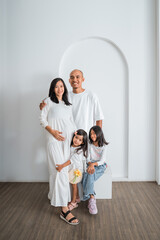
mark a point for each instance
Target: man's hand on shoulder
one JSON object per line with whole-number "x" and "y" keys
{"x": 42, "y": 105}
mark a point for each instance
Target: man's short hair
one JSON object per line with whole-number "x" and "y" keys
{"x": 77, "y": 70}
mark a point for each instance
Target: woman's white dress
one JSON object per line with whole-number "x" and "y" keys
{"x": 58, "y": 117}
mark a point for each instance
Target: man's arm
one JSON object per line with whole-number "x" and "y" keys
{"x": 99, "y": 123}
{"x": 98, "y": 114}
{"x": 42, "y": 105}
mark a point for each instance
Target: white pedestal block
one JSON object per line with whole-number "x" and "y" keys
{"x": 103, "y": 186}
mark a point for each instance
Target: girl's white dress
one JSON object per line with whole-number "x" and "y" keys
{"x": 58, "y": 117}
{"x": 77, "y": 159}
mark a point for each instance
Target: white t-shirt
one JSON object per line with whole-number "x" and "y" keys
{"x": 86, "y": 109}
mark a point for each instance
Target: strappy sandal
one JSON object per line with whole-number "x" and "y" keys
{"x": 72, "y": 205}
{"x": 64, "y": 215}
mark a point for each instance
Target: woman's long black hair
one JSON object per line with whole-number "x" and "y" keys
{"x": 52, "y": 94}
{"x": 100, "y": 137}
{"x": 84, "y": 145}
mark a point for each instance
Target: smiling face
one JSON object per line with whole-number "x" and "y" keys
{"x": 77, "y": 140}
{"x": 76, "y": 79}
{"x": 59, "y": 90}
{"x": 93, "y": 136}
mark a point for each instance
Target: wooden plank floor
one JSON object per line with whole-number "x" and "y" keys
{"x": 133, "y": 213}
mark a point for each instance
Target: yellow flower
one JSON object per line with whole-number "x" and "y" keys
{"x": 77, "y": 173}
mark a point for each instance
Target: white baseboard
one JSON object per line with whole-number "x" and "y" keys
{"x": 119, "y": 179}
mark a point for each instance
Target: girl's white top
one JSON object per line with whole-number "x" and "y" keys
{"x": 77, "y": 159}
{"x": 97, "y": 154}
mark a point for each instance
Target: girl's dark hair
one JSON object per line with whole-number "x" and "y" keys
{"x": 100, "y": 137}
{"x": 52, "y": 94}
{"x": 84, "y": 145}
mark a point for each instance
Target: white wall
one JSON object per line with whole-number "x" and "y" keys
{"x": 158, "y": 94}
{"x": 2, "y": 69}
{"x": 37, "y": 34}
{"x": 106, "y": 73}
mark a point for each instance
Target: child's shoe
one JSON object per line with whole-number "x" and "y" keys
{"x": 72, "y": 205}
{"x": 92, "y": 206}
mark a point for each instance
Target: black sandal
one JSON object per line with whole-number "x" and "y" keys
{"x": 64, "y": 215}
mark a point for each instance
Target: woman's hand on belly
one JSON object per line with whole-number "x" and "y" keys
{"x": 56, "y": 134}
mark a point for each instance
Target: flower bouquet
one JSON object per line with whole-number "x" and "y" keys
{"x": 75, "y": 176}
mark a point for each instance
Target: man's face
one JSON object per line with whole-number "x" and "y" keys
{"x": 76, "y": 79}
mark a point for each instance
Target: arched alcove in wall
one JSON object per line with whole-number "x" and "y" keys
{"x": 106, "y": 73}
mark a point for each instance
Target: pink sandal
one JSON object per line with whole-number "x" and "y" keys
{"x": 72, "y": 205}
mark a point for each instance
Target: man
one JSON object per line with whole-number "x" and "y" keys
{"x": 86, "y": 107}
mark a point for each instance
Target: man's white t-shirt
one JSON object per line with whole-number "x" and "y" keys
{"x": 86, "y": 109}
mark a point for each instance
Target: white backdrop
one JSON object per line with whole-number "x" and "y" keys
{"x": 36, "y": 37}
{"x": 106, "y": 74}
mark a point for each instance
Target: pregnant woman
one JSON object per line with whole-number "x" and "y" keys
{"x": 58, "y": 121}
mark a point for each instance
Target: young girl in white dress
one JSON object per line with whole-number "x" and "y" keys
{"x": 96, "y": 166}
{"x": 57, "y": 119}
{"x": 78, "y": 154}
